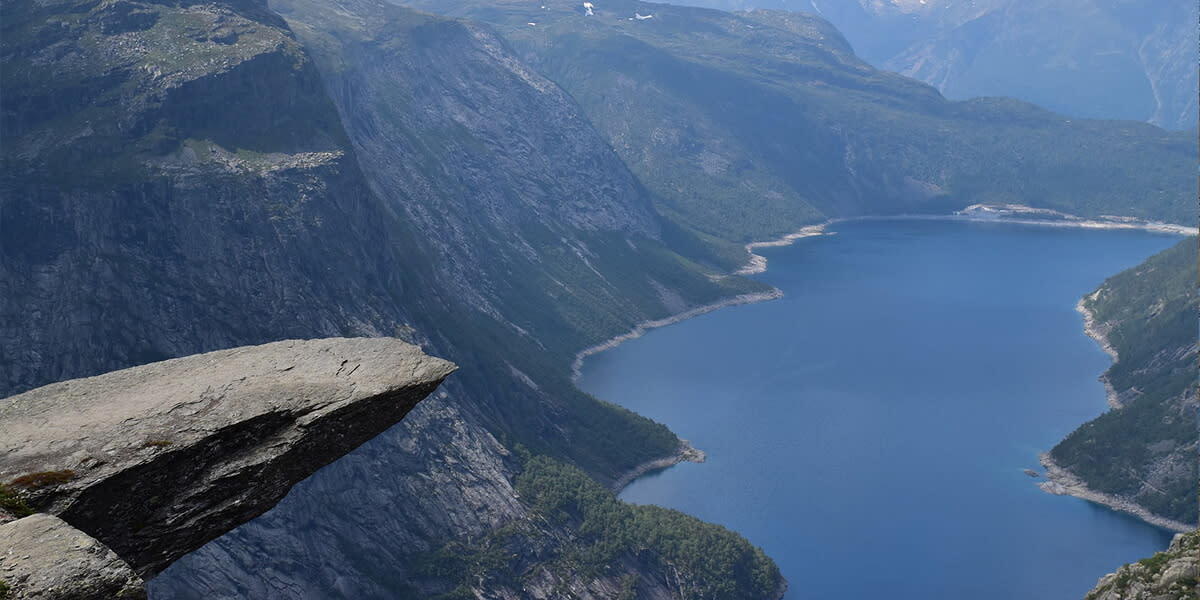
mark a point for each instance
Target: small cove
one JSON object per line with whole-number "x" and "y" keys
{"x": 870, "y": 428}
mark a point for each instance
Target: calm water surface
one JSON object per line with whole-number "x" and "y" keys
{"x": 869, "y": 430}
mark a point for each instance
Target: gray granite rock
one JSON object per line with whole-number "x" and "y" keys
{"x": 156, "y": 460}
{"x": 42, "y": 557}
{"x": 1170, "y": 575}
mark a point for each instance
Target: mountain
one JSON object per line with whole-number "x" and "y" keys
{"x": 1100, "y": 59}
{"x": 1143, "y": 451}
{"x": 190, "y": 176}
{"x": 748, "y": 126}
{"x": 184, "y": 176}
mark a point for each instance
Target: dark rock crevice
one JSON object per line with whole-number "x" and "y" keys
{"x": 154, "y": 461}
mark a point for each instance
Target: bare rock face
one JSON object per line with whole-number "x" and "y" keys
{"x": 43, "y": 557}
{"x": 1170, "y": 575}
{"x": 156, "y": 460}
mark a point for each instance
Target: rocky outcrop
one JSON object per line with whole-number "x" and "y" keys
{"x": 1170, "y": 575}
{"x": 154, "y": 461}
{"x": 43, "y": 557}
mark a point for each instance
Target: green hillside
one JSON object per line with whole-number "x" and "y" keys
{"x": 1146, "y": 450}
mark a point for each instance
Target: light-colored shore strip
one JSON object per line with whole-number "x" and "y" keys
{"x": 1091, "y": 328}
{"x": 758, "y": 264}
{"x": 978, "y": 214}
{"x": 685, "y": 452}
{"x": 1062, "y": 482}
{"x": 641, "y": 328}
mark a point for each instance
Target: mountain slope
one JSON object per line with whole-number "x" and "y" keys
{"x": 121, "y": 190}
{"x": 196, "y": 175}
{"x": 1145, "y": 450}
{"x": 1101, "y": 59}
{"x": 186, "y": 182}
{"x": 749, "y": 126}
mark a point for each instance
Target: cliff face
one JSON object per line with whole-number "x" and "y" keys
{"x": 154, "y": 461}
{"x": 191, "y": 185}
{"x": 178, "y": 168}
{"x": 751, "y": 125}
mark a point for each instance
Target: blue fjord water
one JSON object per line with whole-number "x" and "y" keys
{"x": 869, "y": 429}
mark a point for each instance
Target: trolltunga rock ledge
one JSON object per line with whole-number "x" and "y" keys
{"x": 154, "y": 461}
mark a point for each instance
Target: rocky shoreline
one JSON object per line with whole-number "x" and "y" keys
{"x": 1012, "y": 214}
{"x": 1015, "y": 214}
{"x": 641, "y": 328}
{"x": 758, "y": 263}
{"x": 684, "y": 453}
{"x": 1094, "y": 331}
{"x": 1021, "y": 214}
{"x": 1062, "y": 482}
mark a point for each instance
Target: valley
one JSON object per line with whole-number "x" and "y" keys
{"x": 186, "y": 177}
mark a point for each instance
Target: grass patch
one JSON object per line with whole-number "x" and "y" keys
{"x": 44, "y": 479}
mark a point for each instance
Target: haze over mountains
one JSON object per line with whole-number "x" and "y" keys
{"x": 185, "y": 176}
{"x": 1100, "y": 59}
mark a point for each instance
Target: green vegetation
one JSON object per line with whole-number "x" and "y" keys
{"x": 708, "y": 560}
{"x": 4, "y": 591}
{"x": 1147, "y": 449}
{"x": 722, "y": 563}
{"x": 13, "y": 502}
{"x": 1164, "y": 575}
{"x": 749, "y": 126}
{"x": 562, "y": 288}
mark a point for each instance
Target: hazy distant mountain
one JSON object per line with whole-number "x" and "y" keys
{"x": 749, "y": 125}
{"x": 1110, "y": 59}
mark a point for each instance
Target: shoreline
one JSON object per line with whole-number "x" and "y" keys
{"x": 685, "y": 452}
{"x": 1026, "y": 215}
{"x": 976, "y": 213}
{"x": 756, "y": 264}
{"x": 641, "y": 328}
{"x": 1061, "y": 482}
{"x": 1091, "y": 328}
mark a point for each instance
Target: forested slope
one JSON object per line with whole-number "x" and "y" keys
{"x": 1146, "y": 450}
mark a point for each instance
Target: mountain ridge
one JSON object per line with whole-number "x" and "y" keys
{"x": 366, "y": 204}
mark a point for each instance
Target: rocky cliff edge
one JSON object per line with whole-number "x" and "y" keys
{"x": 154, "y": 461}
